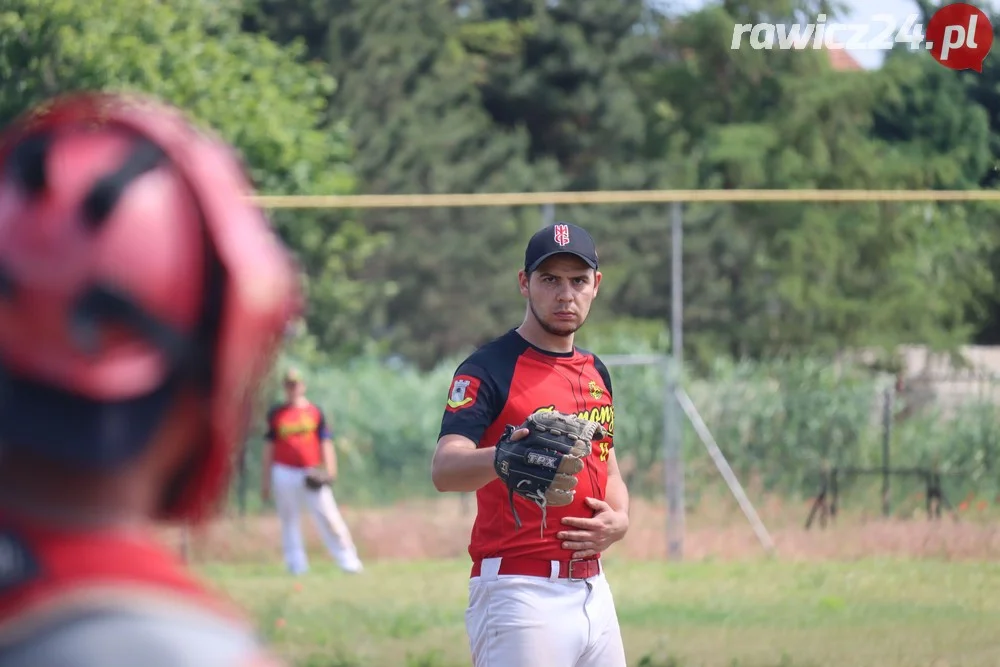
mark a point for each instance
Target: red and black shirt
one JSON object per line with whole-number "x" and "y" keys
{"x": 55, "y": 578}
{"x": 297, "y": 434}
{"x": 502, "y": 383}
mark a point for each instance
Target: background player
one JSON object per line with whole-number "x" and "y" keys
{"x": 538, "y": 596}
{"x": 141, "y": 301}
{"x": 298, "y": 441}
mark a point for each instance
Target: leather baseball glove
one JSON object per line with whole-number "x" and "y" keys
{"x": 317, "y": 478}
{"x": 542, "y": 466}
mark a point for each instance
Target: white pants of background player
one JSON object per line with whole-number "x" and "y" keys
{"x": 291, "y": 495}
{"x": 521, "y": 621}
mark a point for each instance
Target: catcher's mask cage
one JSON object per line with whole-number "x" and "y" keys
{"x": 132, "y": 265}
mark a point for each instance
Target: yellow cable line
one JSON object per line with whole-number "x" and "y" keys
{"x": 617, "y": 197}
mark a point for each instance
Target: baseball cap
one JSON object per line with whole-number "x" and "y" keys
{"x": 292, "y": 376}
{"x": 559, "y": 238}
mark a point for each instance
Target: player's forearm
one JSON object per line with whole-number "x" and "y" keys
{"x": 616, "y": 494}
{"x": 330, "y": 458}
{"x": 462, "y": 470}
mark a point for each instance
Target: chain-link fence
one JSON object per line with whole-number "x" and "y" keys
{"x": 780, "y": 426}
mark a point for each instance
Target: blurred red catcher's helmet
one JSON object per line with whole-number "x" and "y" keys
{"x": 131, "y": 264}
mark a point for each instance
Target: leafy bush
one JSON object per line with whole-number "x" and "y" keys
{"x": 779, "y": 423}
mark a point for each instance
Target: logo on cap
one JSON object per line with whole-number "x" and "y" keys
{"x": 562, "y": 234}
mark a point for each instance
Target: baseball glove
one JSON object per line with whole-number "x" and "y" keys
{"x": 543, "y": 465}
{"x": 317, "y": 478}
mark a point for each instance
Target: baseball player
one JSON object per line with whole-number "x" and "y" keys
{"x": 538, "y": 596}
{"x": 142, "y": 299}
{"x": 300, "y": 464}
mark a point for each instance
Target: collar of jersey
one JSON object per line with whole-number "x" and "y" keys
{"x": 547, "y": 353}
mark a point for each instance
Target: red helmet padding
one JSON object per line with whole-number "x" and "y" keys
{"x": 151, "y": 248}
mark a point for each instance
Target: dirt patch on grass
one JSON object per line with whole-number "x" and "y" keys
{"x": 440, "y": 529}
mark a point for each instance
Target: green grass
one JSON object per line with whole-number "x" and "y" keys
{"x": 871, "y": 613}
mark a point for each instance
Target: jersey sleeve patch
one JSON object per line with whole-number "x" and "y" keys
{"x": 463, "y": 393}
{"x": 471, "y": 405}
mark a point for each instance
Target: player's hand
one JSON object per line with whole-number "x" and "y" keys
{"x": 593, "y": 536}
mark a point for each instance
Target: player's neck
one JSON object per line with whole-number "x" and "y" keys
{"x": 72, "y": 500}
{"x": 531, "y": 331}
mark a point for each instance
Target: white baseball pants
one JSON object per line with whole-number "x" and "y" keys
{"x": 290, "y": 496}
{"x": 522, "y": 621}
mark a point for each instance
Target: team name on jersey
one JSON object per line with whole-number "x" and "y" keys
{"x": 297, "y": 427}
{"x": 603, "y": 415}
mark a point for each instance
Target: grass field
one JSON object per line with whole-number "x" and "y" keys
{"x": 867, "y": 593}
{"x": 869, "y": 613}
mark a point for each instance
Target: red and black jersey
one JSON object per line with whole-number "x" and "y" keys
{"x": 502, "y": 383}
{"x": 42, "y": 562}
{"x": 91, "y": 596}
{"x": 297, "y": 434}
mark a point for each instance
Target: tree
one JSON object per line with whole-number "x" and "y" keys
{"x": 417, "y": 124}
{"x": 569, "y": 74}
{"x": 510, "y": 95}
{"x": 767, "y": 279}
{"x": 567, "y": 81}
{"x": 254, "y": 93}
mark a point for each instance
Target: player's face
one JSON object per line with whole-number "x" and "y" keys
{"x": 294, "y": 390}
{"x": 560, "y": 292}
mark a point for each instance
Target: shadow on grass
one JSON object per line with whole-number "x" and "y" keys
{"x": 429, "y": 659}
{"x": 436, "y": 659}
{"x": 672, "y": 661}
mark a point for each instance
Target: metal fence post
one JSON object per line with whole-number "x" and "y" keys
{"x": 673, "y": 473}
{"x": 673, "y": 468}
{"x": 548, "y": 215}
{"x": 887, "y": 403}
{"x": 676, "y": 284}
